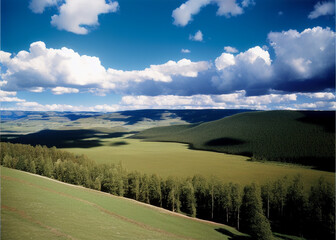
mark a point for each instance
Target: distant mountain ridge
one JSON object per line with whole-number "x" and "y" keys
{"x": 130, "y": 116}
{"x": 70, "y": 129}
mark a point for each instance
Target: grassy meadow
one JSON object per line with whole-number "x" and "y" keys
{"x": 175, "y": 159}
{"x": 34, "y": 207}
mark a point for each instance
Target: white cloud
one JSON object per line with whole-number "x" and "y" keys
{"x": 185, "y": 50}
{"x": 9, "y": 97}
{"x": 38, "y": 6}
{"x": 77, "y": 15}
{"x": 225, "y": 60}
{"x": 229, "y": 8}
{"x": 235, "y": 100}
{"x": 304, "y": 55}
{"x": 254, "y": 54}
{"x": 2, "y": 83}
{"x": 246, "y": 3}
{"x": 183, "y": 14}
{"x": 320, "y": 95}
{"x": 229, "y": 49}
{"x": 63, "y": 90}
{"x": 322, "y": 9}
{"x": 229, "y": 101}
{"x": 36, "y": 89}
{"x": 316, "y": 105}
{"x": 34, "y": 106}
{"x": 197, "y": 37}
{"x": 43, "y": 67}
{"x": 304, "y": 62}
{"x": 240, "y": 98}
{"x": 244, "y": 70}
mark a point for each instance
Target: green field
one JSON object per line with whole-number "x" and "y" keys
{"x": 34, "y": 207}
{"x": 175, "y": 159}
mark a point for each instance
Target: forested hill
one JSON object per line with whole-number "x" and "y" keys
{"x": 304, "y": 137}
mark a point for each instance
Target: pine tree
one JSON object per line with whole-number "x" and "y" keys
{"x": 253, "y": 220}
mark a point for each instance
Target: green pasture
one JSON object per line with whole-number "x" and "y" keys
{"x": 34, "y": 207}
{"x": 175, "y": 159}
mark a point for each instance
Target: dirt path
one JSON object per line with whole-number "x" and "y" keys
{"x": 139, "y": 224}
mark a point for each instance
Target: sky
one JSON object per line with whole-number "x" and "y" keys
{"x": 109, "y": 55}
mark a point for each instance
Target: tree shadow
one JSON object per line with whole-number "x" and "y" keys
{"x": 84, "y": 138}
{"x": 118, "y": 143}
{"x": 231, "y": 235}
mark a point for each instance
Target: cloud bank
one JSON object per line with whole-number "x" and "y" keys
{"x": 236, "y": 100}
{"x": 303, "y": 62}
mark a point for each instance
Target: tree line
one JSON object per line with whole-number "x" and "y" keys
{"x": 282, "y": 205}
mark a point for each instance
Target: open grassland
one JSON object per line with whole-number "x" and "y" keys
{"x": 305, "y": 137}
{"x": 34, "y": 207}
{"x": 174, "y": 159}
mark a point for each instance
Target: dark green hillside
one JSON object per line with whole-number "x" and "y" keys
{"x": 303, "y": 137}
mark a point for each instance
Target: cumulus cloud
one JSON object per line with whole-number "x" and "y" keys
{"x": 304, "y": 61}
{"x": 63, "y": 90}
{"x": 185, "y": 50}
{"x": 229, "y": 49}
{"x": 197, "y": 37}
{"x": 228, "y": 8}
{"x": 225, "y": 60}
{"x": 76, "y": 15}
{"x": 44, "y": 67}
{"x": 322, "y": 9}
{"x": 320, "y": 95}
{"x": 38, "y": 6}
{"x": 307, "y": 57}
{"x": 247, "y": 70}
{"x": 9, "y": 97}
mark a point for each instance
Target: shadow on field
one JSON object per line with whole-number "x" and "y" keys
{"x": 224, "y": 142}
{"x": 118, "y": 143}
{"x": 63, "y": 138}
{"x": 325, "y": 119}
{"x": 231, "y": 235}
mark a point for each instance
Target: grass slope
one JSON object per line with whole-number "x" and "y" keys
{"x": 34, "y": 207}
{"x": 307, "y": 137}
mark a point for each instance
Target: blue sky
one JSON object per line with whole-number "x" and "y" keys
{"x": 115, "y": 55}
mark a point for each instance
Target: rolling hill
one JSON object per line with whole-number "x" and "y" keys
{"x": 35, "y": 207}
{"x": 303, "y": 137}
